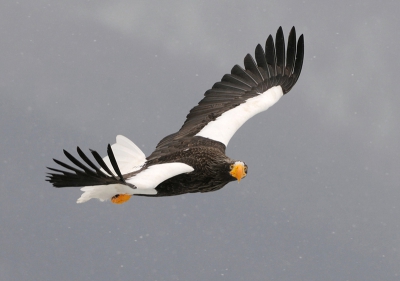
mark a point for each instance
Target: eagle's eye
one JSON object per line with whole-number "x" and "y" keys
{"x": 231, "y": 166}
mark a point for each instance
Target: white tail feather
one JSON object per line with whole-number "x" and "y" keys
{"x": 128, "y": 156}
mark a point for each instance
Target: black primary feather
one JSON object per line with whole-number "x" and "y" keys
{"x": 280, "y": 52}
{"x": 114, "y": 162}
{"x": 86, "y": 176}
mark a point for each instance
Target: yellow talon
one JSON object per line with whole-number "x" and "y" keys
{"x": 120, "y": 198}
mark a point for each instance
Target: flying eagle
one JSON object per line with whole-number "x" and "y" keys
{"x": 192, "y": 159}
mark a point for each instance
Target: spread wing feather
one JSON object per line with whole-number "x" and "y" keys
{"x": 86, "y": 176}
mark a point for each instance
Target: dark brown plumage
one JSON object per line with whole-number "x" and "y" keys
{"x": 211, "y": 168}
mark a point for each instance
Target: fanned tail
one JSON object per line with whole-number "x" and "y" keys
{"x": 128, "y": 156}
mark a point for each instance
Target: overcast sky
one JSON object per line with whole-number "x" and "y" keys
{"x": 322, "y": 197}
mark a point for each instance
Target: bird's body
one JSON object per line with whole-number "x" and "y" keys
{"x": 192, "y": 159}
{"x": 209, "y": 162}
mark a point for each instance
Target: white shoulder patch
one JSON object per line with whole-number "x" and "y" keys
{"x": 225, "y": 126}
{"x": 128, "y": 156}
{"x": 106, "y": 192}
{"x": 156, "y": 174}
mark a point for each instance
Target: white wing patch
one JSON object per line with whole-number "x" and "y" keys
{"x": 156, "y": 174}
{"x": 128, "y": 156}
{"x": 106, "y": 192}
{"x": 225, "y": 126}
{"x": 145, "y": 181}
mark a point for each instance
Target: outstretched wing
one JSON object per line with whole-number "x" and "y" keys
{"x": 243, "y": 93}
{"x": 109, "y": 180}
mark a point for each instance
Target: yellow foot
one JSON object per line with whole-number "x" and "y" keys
{"x": 120, "y": 198}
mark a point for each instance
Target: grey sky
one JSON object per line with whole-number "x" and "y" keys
{"x": 321, "y": 200}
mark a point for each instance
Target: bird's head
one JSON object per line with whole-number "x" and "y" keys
{"x": 238, "y": 170}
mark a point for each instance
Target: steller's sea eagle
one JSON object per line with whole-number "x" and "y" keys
{"x": 192, "y": 159}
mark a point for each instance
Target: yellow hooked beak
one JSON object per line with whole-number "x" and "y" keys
{"x": 238, "y": 170}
